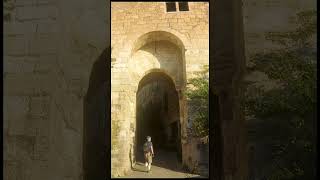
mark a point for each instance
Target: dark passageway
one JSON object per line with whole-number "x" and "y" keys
{"x": 96, "y": 106}
{"x": 158, "y": 116}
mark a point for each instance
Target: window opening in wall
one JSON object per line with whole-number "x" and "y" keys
{"x": 171, "y": 6}
{"x": 183, "y": 6}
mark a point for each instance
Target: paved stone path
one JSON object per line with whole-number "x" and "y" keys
{"x": 165, "y": 165}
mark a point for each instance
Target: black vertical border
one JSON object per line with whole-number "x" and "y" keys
{"x": 2, "y": 91}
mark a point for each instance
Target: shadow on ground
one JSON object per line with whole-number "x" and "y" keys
{"x": 165, "y": 159}
{"x": 165, "y": 165}
{"x": 138, "y": 168}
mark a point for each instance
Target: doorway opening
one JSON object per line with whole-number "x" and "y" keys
{"x": 158, "y": 116}
{"x": 95, "y": 126}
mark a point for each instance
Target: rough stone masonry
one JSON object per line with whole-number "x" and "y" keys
{"x": 147, "y": 39}
{"x": 50, "y": 49}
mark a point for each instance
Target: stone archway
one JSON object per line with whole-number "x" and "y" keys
{"x": 95, "y": 127}
{"x": 154, "y": 51}
{"x": 160, "y": 51}
{"x": 157, "y": 115}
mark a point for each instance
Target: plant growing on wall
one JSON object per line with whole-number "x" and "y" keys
{"x": 198, "y": 96}
{"x": 288, "y": 112}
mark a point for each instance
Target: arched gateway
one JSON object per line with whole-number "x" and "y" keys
{"x": 146, "y": 95}
{"x": 157, "y": 114}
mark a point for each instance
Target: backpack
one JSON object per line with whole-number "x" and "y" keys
{"x": 147, "y": 146}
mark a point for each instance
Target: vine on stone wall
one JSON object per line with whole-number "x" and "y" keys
{"x": 198, "y": 97}
{"x": 288, "y": 112}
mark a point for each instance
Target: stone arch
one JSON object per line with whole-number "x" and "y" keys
{"x": 139, "y": 59}
{"x": 131, "y": 41}
{"x": 165, "y": 124}
{"x": 95, "y": 107}
{"x": 143, "y": 40}
{"x": 151, "y": 71}
{"x": 177, "y": 39}
{"x": 168, "y": 34}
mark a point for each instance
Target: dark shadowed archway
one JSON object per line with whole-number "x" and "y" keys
{"x": 158, "y": 116}
{"x": 96, "y": 121}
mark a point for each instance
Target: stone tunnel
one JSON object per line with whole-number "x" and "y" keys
{"x": 158, "y": 114}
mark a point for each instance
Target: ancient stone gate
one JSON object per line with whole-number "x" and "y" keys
{"x": 150, "y": 44}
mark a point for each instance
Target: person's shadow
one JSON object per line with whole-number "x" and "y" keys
{"x": 163, "y": 159}
{"x": 140, "y": 167}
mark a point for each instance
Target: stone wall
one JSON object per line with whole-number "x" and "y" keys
{"x": 130, "y": 21}
{"x": 261, "y": 17}
{"x": 49, "y": 50}
{"x": 198, "y": 156}
{"x": 265, "y": 16}
{"x": 269, "y": 15}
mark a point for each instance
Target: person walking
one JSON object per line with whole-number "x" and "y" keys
{"x": 148, "y": 153}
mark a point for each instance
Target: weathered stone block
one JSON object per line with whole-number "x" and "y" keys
{"x": 41, "y": 148}
{"x": 24, "y": 147}
{"x": 46, "y": 64}
{"x": 38, "y": 12}
{"x": 24, "y": 3}
{"x": 12, "y": 170}
{"x": 17, "y": 65}
{"x": 47, "y": 27}
{"x": 39, "y": 106}
{"x": 29, "y": 85}
{"x": 9, "y": 150}
{"x": 40, "y": 170}
{"x": 19, "y": 28}
{"x": 16, "y": 45}
{"x": 41, "y": 2}
{"x": 46, "y": 44}
{"x": 5, "y": 118}
{"x": 36, "y": 125}
{"x": 18, "y": 107}
{"x": 75, "y": 106}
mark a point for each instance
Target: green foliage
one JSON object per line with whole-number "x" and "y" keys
{"x": 306, "y": 27}
{"x": 198, "y": 96}
{"x": 288, "y": 111}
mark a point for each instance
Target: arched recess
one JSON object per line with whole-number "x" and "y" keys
{"x": 146, "y": 77}
{"x": 149, "y": 52}
{"x": 159, "y": 40}
{"x": 158, "y": 113}
{"x": 152, "y": 52}
{"x": 156, "y": 36}
{"x": 96, "y": 103}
